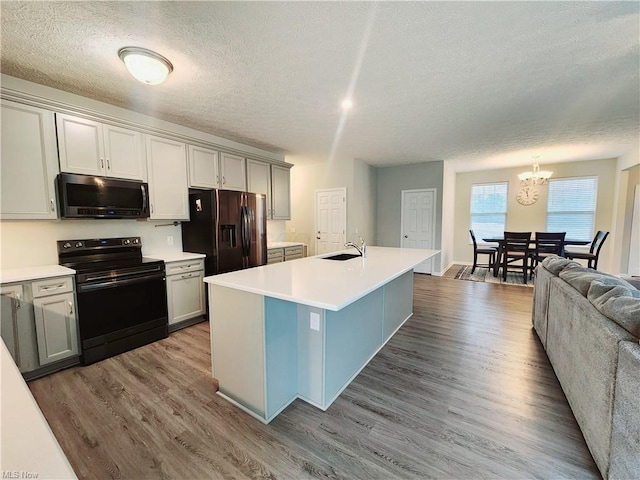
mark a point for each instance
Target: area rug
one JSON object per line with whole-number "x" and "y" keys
{"x": 486, "y": 275}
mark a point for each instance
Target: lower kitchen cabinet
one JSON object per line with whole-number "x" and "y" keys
{"x": 56, "y": 327}
{"x": 283, "y": 254}
{"x": 39, "y": 325}
{"x": 185, "y": 293}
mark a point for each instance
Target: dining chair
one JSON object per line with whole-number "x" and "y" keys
{"x": 491, "y": 251}
{"x": 546, "y": 244}
{"x": 594, "y": 251}
{"x": 516, "y": 249}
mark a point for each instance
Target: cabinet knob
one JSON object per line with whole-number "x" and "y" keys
{"x": 53, "y": 207}
{"x": 224, "y": 180}
{"x": 108, "y": 164}
{"x": 102, "y": 163}
{"x": 70, "y": 308}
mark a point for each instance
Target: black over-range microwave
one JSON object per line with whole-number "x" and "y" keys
{"x": 87, "y": 196}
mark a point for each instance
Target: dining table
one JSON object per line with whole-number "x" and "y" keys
{"x": 532, "y": 241}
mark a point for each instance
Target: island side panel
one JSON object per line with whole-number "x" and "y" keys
{"x": 311, "y": 355}
{"x": 237, "y": 345}
{"x": 398, "y": 303}
{"x": 353, "y": 336}
{"x": 281, "y": 354}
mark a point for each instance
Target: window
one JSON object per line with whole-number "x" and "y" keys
{"x": 488, "y": 209}
{"x": 571, "y": 206}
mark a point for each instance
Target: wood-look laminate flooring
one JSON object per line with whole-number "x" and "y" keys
{"x": 463, "y": 390}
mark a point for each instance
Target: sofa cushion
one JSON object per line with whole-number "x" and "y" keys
{"x": 617, "y": 300}
{"x": 581, "y": 277}
{"x": 556, "y": 264}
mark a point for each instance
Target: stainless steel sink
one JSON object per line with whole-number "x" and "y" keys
{"x": 342, "y": 256}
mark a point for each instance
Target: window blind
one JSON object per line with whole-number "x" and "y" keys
{"x": 571, "y": 206}
{"x": 488, "y": 209}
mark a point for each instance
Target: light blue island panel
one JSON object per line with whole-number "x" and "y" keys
{"x": 281, "y": 347}
{"x": 398, "y": 303}
{"x": 311, "y": 355}
{"x": 353, "y": 336}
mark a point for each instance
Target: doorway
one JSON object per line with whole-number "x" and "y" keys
{"x": 331, "y": 220}
{"x": 418, "y": 223}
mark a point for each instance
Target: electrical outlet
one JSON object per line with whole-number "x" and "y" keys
{"x": 314, "y": 321}
{"x": 169, "y": 239}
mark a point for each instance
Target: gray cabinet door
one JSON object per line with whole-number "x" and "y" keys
{"x": 29, "y": 163}
{"x": 56, "y": 327}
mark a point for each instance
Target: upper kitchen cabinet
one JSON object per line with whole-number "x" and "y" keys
{"x": 93, "y": 148}
{"x": 233, "y": 172}
{"x": 204, "y": 169}
{"x": 280, "y": 192}
{"x": 274, "y": 182}
{"x": 211, "y": 169}
{"x": 168, "y": 186}
{"x": 29, "y": 162}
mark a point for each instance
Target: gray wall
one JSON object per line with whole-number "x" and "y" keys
{"x": 391, "y": 182}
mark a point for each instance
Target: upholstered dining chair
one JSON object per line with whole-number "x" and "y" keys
{"x": 546, "y": 244}
{"x": 594, "y": 251}
{"x": 491, "y": 251}
{"x": 516, "y": 249}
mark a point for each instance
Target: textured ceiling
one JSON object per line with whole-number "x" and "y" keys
{"x": 483, "y": 84}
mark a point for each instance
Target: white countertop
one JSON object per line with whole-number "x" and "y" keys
{"x": 283, "y": 244}
{"x": 175, "y": 256}
{"x": 29, "y": 444}
{"x": 34, "y": 273}
{"x": 328, "y": 284}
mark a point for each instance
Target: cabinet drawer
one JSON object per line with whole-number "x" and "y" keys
{"x": 274, "y": 253}
{"x": 185, "y": 266}
{"x": 51, "y": 286}
{"x": 273, "y": 260}
{"x": 293, "y": 251}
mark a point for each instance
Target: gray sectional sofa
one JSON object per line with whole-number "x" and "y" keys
{"x": 589, "y": 325}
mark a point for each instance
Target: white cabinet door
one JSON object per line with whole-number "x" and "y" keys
{"x": 80, "y": 144}
{"x": 185, "y": 296}
{"x": 203, "y": 168}
{"x": 167, "y": 170}
{"x": 29, "y": 163}
{"x": 280, "y": 193}
{"x": 124, "y": 153}
{"x": 233, "y": 172}
{"x": 56, "y": 328}
{"x": 259, "y": 180}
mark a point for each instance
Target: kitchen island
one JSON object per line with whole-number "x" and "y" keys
{"x": 305, "y": 328}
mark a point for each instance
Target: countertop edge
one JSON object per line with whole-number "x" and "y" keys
{"x": 26, "y": 274}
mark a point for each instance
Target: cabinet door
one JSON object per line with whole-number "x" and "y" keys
{"x": 11, "y": 297}
{"x": 81, "y": 145}
{"x": 124, "y": 153}
{"x": 280, "y": 193}
{"x": 203, "y": 168}
{"x": 232, "y": 170}
{"x": 185, "y": 296}
{"x": 29, "y": 163}
{"x": 167, "y": 169}
{"x": 56, "y": 327}
{"x": 259, "y": 180}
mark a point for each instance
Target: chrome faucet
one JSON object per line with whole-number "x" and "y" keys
{"x": 362, "y": 249}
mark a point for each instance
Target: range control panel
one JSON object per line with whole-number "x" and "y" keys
{"x": 98, "y": 243}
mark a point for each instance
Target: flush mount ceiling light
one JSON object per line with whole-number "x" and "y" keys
{"x": 145, "y": 65}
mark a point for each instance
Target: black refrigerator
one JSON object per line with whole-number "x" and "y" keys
{"x": 229, "y": 227}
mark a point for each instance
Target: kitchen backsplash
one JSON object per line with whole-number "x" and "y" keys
{"x": 33, "y": 243}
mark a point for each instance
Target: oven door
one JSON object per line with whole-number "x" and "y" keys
{"x": 116, "y": 315}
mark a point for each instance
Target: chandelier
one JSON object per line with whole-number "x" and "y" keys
{"x": 536, "y": 177}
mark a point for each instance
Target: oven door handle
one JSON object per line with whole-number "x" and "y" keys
{"x": 87, "y": 287}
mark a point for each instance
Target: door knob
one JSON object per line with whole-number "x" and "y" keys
{"x": 406, "y": 236}
{"x": 317, "y": 238}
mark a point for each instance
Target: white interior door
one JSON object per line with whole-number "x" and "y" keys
{"x": 331, "y": 220}
{"x": 418, "y": 223}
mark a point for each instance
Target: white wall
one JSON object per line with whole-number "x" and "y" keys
{"x": 311, "y": 174}
{"x": 533, "y": 217}
{"x": 627, "y": 177}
